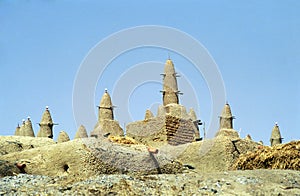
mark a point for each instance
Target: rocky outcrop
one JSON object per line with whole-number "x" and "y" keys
{"x": 7, "y": 168}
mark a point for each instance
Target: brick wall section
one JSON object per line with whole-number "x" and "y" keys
{"x": 159, "y": 131}
{"x": 179, "y": 131}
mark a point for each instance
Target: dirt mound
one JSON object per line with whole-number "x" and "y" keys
{"x": 284, "y": 156}
{"x": 217, "y": 154}
{"x": 10, "y": 144}
{"x": 82, "y": 158}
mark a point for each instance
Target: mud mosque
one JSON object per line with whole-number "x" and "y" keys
{"x": 172, "y": 125}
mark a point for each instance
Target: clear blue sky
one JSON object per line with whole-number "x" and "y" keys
{"x": 256, "y": 45}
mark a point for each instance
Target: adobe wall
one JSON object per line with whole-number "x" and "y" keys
{"x": 162, "y": 130}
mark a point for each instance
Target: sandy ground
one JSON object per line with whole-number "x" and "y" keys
{"x": 250, "y": 182}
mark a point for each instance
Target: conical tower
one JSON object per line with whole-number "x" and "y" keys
{"x": 81, "y": 132}
{"x": 276, "y": 136}
{"x": 46, "y": 125}
{"x": 106, "y": 124}
{"x": 226, "y": 118}
{"x": 17, "y": 132}
{"x": 28, "y": 130}
{"x": 105, "y": 109}
{"x": 170, "y": 87}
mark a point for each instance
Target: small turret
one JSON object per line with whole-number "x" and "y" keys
{"x": 28, "y": 130}
{"x": 17, "y": 132}
{"x": 170, "y": 87}
{"x": 148, "y": 114}
{"x": 105, "y": 109}
{"x": 275, "y": 136}
{"x": 226, "y": 118}
{"x": 81, "y": 132}
{"x": 192, "y": 114}
{"x": 63, "y": 137}
{"x": 248, "y": 137}
{"x": 197, "y": 122}
{"x": 46, "y": 125}
{"x": 22, "y": 128}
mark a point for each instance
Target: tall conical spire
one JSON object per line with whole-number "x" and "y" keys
{"x": 46, "y": 118}
{"x": 46, "y": 125}
{"x": 105, "y": 110}
{"x": 275, "y": 136}
{"x": 226, "y": 118}
{"x": 170, "y": 87}
{"x": 28, "y": 130}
